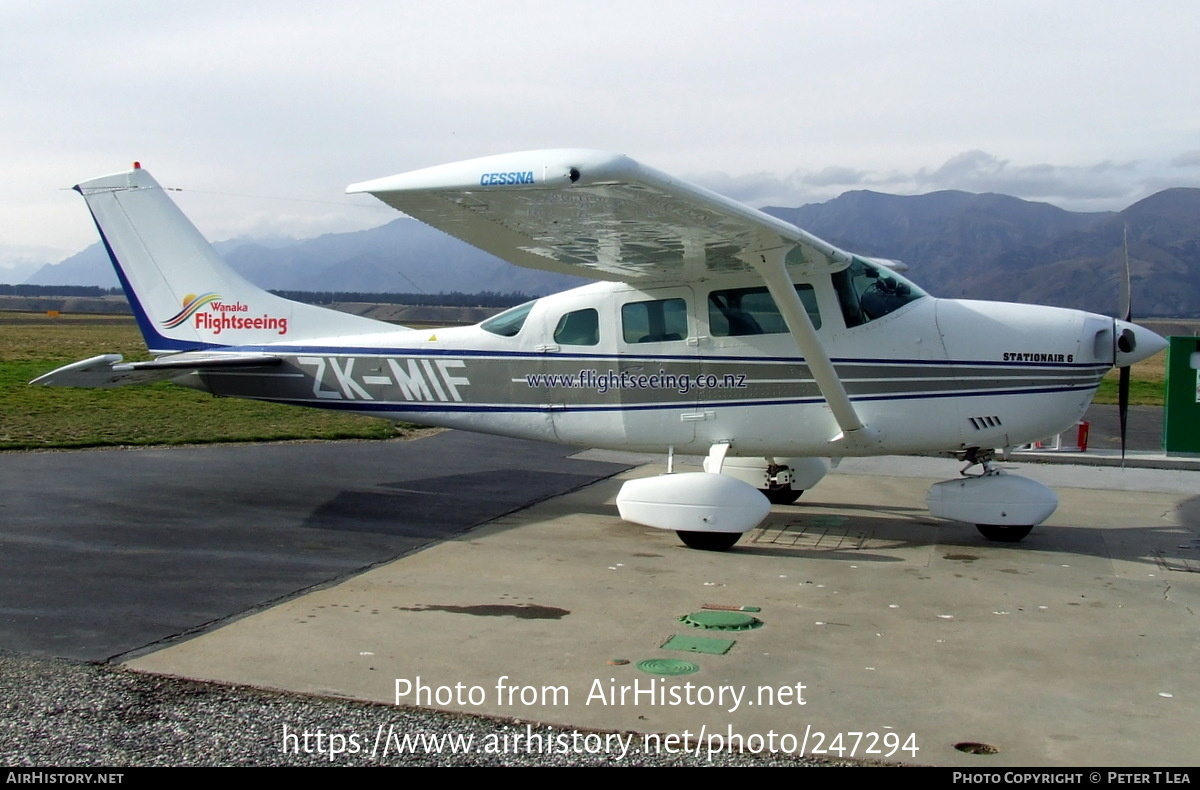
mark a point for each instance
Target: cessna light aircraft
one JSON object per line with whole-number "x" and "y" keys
{"x": 715, "y": 330}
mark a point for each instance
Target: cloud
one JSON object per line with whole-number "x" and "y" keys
{"x": 834, "y": 176}
{"x": 1187, "y": 159}
{"x": 979, "y": 171}
{"x": 1102, "y": 185}
{"x": 759, "y": 189}
{"x": 347, "y": 92}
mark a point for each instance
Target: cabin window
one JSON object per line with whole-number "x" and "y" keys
{"x": 580, "y": 328}
{"x": 866, "y": 292}
{"x": 655, "y": 321}
{"x": 736, "y": 312}
{"x": 509, "y": 323}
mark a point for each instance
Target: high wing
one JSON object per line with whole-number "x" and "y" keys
{"x": 109, "y": 370}
{"x": 606, "y": 216}
{"x": 566, "y": 210}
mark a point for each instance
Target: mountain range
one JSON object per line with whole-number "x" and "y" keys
{"x": 957, "y": 244}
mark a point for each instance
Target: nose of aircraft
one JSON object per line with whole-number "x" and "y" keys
{"x": 1134, "y": 343}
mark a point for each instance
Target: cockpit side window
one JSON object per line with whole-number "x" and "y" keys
{"x": 866, "y": 292}
{"x": 656, "y": 321}
{"x": 751, "y": 311}
{"x": 508, "y": 323}
{"x": 578, "y": 328}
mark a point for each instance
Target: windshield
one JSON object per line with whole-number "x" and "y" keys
{"x": 866, "y": 292}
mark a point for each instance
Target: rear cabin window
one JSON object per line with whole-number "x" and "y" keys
{"x": 579, "y": 328}
{"x": 656, "y": 321}
{"x": 509, "y": 323}
{"x": 735, "y": 312}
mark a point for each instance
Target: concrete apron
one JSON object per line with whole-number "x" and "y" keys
{"x": 1076, "y": 647}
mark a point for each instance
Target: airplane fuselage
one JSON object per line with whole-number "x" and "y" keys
{"x": 610, "y": 365}
{"x": 716, "y": 330}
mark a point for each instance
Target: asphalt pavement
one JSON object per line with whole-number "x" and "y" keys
{"x": 106, "y": 552}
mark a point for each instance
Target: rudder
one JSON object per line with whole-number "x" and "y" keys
{"x": 183, "y": 294}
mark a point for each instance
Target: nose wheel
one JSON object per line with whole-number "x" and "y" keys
{"x": 1000, "y": 533}
{"x": 1003, "y": 507}
{"x": 784, "y": 495}
{"x": 709, "y": 541}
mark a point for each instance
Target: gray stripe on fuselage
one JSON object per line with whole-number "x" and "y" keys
{"x": 560, "y": 381}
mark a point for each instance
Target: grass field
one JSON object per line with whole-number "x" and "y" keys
{"x": 1146, "y": 383}
{"x": 62, "y": 417}
{"x": 163, "y": 414}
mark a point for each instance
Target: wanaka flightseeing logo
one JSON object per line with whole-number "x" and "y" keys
{"x": 213, "y": 315}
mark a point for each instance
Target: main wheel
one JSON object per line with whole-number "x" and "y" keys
{"x": 1003, "y": 534}
{"x": 785, "y": 495}
{"x": 708, "y": 541}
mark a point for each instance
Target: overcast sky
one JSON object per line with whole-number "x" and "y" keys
{"x": 263, "y": 112}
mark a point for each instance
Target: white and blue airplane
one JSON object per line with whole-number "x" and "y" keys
{"x": 714, "y": 330}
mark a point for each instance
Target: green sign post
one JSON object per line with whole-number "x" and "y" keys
{"x": 1181, "y": 420}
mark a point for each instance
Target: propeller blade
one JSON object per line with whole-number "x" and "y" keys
{"x": 1126, "y": 290}
{"x": 1126, "y": 344}
{"x": 1123, "y": 406}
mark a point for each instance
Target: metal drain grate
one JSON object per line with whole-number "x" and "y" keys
{"x": 825, "y": 534}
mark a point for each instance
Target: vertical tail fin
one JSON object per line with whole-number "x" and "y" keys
{"x": 183, "y": 294}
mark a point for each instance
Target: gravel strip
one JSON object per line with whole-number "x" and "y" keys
{"x": 63, "y": 714}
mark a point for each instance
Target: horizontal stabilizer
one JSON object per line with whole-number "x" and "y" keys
{"x": 109, "y": 370}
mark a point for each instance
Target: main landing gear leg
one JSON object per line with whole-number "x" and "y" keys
{"x": 781, "y": 480}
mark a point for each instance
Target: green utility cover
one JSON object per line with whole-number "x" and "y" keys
{"x": 721, "y": 621}
{"x": 667, "y": 666}
{"x": 699, "y": 644}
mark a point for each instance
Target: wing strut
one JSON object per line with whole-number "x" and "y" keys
{"x": 771, "y": 266}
